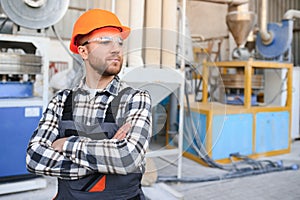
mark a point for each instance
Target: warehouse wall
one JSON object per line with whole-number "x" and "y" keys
{"x": 159, "y": 19}
{"x": 207, "y": 23}
{"x": 155, "y": 27}
{"x": 147, "y": 18}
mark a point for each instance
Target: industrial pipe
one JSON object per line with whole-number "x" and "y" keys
{"x": 290, "y": 14}
{"x": 113, "y": 6}
{"x": 231, "y": 2}
{"x": 266, "y": 36}
{"x": 183, "y": 34}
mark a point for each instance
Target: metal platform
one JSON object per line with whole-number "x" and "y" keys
{"x": 21, "y": 186}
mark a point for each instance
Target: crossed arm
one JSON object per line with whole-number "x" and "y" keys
{"x": 120, "y": 135}
{"x": 75, "y": 156}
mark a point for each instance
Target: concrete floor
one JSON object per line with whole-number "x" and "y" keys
{"x": 276, "y": 185}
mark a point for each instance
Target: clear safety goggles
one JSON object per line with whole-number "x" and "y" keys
{"x": 107, "y": 41}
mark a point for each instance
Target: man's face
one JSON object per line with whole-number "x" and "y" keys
{"x": 105, "y": 51}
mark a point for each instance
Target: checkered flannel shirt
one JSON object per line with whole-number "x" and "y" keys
{"x": 81, "y": 155}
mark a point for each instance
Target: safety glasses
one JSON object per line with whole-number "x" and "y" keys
{"x": 107, "y": 41}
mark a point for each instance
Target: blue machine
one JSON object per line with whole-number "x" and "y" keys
{"x": 16, "y": 89}
{"x": 21, "y": 105}
{"x": 17, "y": 126}
{"x": 281, "y": 43}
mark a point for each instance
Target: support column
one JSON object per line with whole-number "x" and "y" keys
{"x": 169, "y": 33}
{"x": 122, "y": 10}
{"x": 135, "y": 42}
{"x": 153, "y": 22}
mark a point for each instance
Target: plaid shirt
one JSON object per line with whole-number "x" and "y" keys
{"x": 81, "y": 155}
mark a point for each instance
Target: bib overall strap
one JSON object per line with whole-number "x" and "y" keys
{"x": 68, "y": 109}
{"x": 113, "y": 106}
{"x": 111, "y": 111}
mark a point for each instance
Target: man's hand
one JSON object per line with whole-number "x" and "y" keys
{"x": 58, "y": 144}
{"x": 123, "y": 130}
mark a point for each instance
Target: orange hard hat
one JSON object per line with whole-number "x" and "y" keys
{"x": 94, "y": 19}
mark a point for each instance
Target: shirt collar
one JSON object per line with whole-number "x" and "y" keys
{"x": 111, "y": 88}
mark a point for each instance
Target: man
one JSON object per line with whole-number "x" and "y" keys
{"x": 94, "y": 137}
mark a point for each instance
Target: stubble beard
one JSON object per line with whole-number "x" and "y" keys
{"x": 107, "y": 68}
{"x": 110, "y": 69}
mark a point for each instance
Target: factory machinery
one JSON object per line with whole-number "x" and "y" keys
{"x": 23, "y": 84}
{"x": 239, "y": 117}
{"x": 243, "y": 109}
{"x": 232, "y": 121}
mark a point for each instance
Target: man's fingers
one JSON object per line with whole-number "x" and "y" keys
{"x": 58, "y": 144}
{"x": 126, "y": 127}
{"x": 123, "y": 130}
{"x": 120, "y": 134}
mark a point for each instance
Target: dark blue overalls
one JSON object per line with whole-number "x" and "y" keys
{"x": 98, "y": 185}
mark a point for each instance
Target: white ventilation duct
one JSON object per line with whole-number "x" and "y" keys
{"x": 290, "y": 14}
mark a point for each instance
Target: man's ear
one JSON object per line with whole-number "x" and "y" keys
{"x": 82, "y": 50}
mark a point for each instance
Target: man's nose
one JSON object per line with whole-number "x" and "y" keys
{"x": 116, "y": 47}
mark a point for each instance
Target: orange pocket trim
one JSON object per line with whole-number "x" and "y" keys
{"x": 99, "y": 186}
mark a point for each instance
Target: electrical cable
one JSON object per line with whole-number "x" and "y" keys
{"x": 75, "y": 75}
{"x": 3, "y": 23}
{"x": 64, "y": 46}
{"x": 201, "y": 150}
{"x": 280, "y": 91}
{"x": 230, "y": 175}
{"x": 234, "y": 171}
{"x": 254, "y": 167}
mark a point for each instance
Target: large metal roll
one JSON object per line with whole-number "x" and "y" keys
{"x": 237, "y": 81}
{"x": 11, "y": 63}
{"x": 35, "y": 14}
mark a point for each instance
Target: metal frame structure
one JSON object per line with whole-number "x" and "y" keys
{"x": 32, "y": 106}
{"x": 223, "y": 123}
{"x": 160, "y": 82}
{"x": 41, "y": 43}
